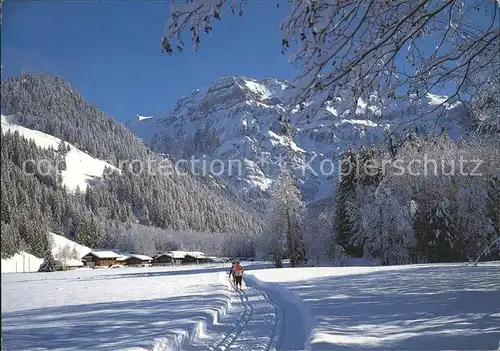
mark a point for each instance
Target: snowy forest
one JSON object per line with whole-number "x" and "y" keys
{"x": 33, "y": 203}
{"x": 395, "y": 218}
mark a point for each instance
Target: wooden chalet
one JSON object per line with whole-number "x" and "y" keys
{"x": 168, "y": 259}
{"x": 122, "y": 260}
{"x": 100, "y": 259}
{"x": 180, "y": 257}
{"x": 135, "y": 260}
{"x": 196, "y": 257}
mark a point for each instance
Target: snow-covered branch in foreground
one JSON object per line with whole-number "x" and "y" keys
{"x": 367, "y": 46}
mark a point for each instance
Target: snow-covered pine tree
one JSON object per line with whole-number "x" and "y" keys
{"x": 74, "y": 254}
{"x": 382, "y": 225}
{"x": 64, "y": 252}
{"x": 87, "y": 232}
{"x": 273, "y": 242}
{"x": 474, "y": 226}
{"x": 49, "y": 263}
{"x": 62, "y": 149}
{"x": 346, "y": 189}
{"x": 320, "y": 238}
{"x": 284, "y": 223}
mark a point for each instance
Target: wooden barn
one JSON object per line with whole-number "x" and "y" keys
{"x": 180, "y": 257}
{"x": 196, "y": 257}
{"x": 122, "y": 260}
{"x": 100, "y": 259}
{"x": 177, "y": 256}
{"x": 167, "y": 259}
{"x": 135, "y": 260}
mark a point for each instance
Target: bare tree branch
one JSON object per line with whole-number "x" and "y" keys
{"x": 372, "y": 46}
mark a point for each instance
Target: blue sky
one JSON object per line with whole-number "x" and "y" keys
{"x": 110, "y": 50}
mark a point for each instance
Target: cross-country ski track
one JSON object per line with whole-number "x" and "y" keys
{"x": 256, "y": 319}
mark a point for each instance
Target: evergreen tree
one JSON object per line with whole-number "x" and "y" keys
{"x": 74, "y": 254}
{"x": 284, "y": 224}
{"x": 49, "y": 263}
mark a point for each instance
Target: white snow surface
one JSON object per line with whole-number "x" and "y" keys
{"x": 435, "y": 306}
{"x": 196, "y": 254}
{"x": 155, "y": 308}
{"x": 81, "y": 168}
{"x": 71, "y": 262}
{"x": 177, "y": 254}
{"x": 182, "y": 254}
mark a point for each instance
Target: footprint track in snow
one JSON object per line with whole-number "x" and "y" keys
{"x": 258, "y": 327}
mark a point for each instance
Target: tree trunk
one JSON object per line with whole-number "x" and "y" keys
{"x": 290, "y": 241}
{"x": 277, "y": 261}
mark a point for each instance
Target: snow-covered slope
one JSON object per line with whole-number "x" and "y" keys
{"x": 241, "y": 119}
{"x": 21, "y": 262}
{"x": 81, "y": 168}
{"x": 62, "y": 246}
{"x": 62, "y": 249}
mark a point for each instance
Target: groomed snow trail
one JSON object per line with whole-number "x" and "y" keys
{"x": 257, "y": 320}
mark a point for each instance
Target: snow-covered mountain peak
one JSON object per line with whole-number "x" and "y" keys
{"x": 143, "y": 118}
{"x": 143, "y": 126}
{"x": 263, "y": 88}
{"x": 246, "y": 119}
{"x": 230, "y": 90}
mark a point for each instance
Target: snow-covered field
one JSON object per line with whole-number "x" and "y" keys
{"x": 109, "y": 309}
{"x": 417, "y": 307}
{"x": 422, "y": 307}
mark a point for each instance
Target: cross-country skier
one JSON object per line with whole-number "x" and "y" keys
{"x": 238, "y": 274}
{"x": 231, "y": 272}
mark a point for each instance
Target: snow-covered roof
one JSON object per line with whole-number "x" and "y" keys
{"x": 183, "y": 254}
{"x": 140, "y": 257}
{"x": 177, "y": 254}
{"x": 122, "y": 258}
{"x": 196, "y": 254}
{"x": 104, "y": 254}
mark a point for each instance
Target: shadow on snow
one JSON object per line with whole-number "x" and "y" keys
{"x": 108, "y": 326}
{"x": 418, "y": 309}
